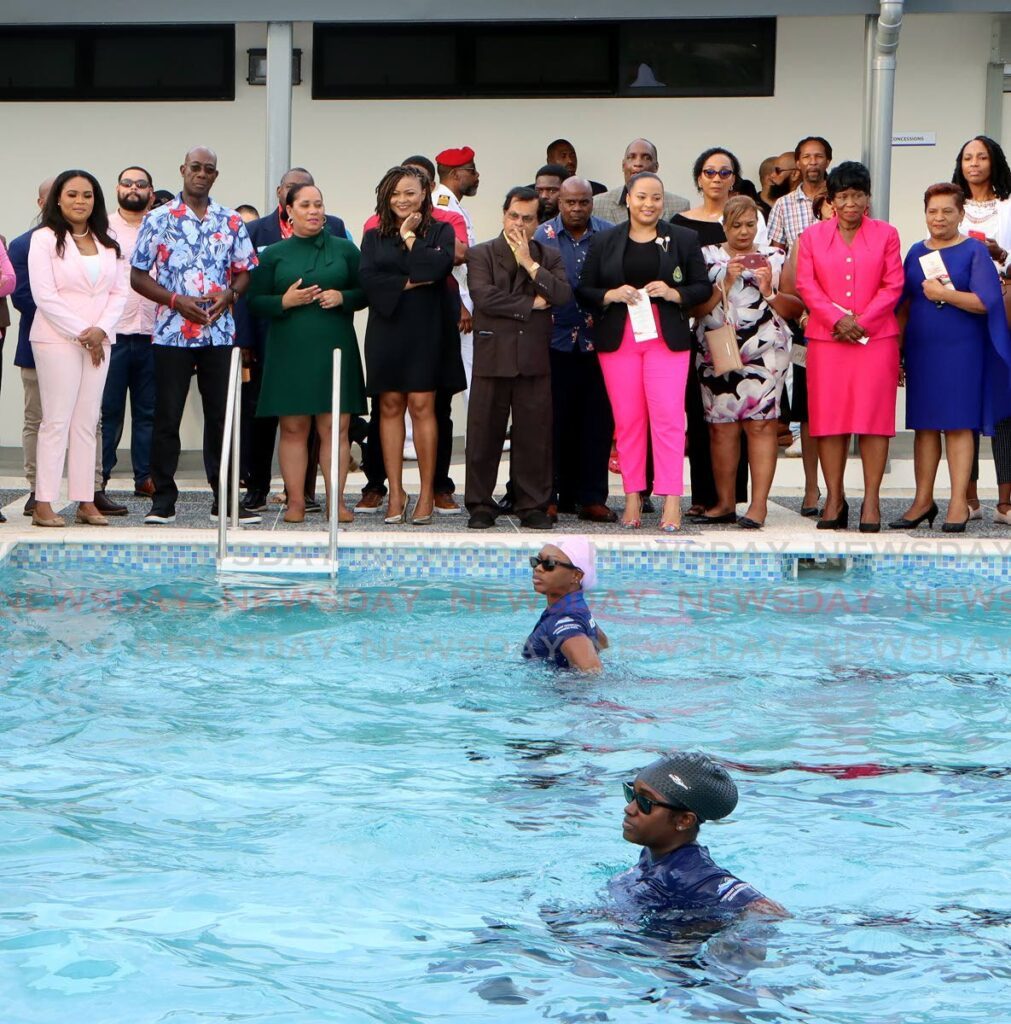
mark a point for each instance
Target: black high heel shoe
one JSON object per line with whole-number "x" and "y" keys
{"x": 810, "y": 511}
{"x": 910, "y": 524}
{"x": 869, "y": 527}
{"x": 956, "y": 527}
{"x": 841, "y": 521}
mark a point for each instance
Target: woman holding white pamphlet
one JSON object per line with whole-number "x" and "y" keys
{"x": 956, "y": 353}
{"x": 849, "y": 274}
{"x": 641, "y": 279}
{"x": 982, "y": 173}
{"x": 744, "y": 350}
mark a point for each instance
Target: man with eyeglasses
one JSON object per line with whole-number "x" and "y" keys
{"x": 665, "y": 805}
{"x": 131, "y": 363}
{"x": 640, "y": 155}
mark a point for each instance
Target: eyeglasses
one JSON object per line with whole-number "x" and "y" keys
{"x": 722, "y": 172}
{"x": 549, "y": 563}
{"x": 131, "y": 183}
{"x": 645, "y": 803}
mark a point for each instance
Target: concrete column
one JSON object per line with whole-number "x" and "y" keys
{"x": 279, "y": 40}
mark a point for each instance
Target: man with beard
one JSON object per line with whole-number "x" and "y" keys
{"x": 131, "y": 362}
{"x": 774, "y": 180}
{"x": 547, "y": 183}
{"x": 795, "y": 211}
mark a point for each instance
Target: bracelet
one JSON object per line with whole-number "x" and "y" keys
{"x": 172, "y": 301}
{"x": 770, "y": 299}
{"x": 532, "y": 271}
{"x": 410, "y": 234}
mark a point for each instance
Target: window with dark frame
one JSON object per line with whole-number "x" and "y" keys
{"x": 687, "y": 57}
{"x": 164, "y": 62}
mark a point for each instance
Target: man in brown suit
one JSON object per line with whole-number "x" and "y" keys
{"x": 514, "y": 281}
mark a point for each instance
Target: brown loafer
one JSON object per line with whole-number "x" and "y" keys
{"x": 598, "y": 514}
{"x": 90, "y": 519}
{"x": 54, "y": 520}
{"x": 445, "y": 505}
{"x": 552, "y": 512}
{"x": 144, "y": 489}
{"x": 370, "y": 501}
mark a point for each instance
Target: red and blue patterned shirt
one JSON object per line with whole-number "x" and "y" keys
{"x": 196, "y": 257}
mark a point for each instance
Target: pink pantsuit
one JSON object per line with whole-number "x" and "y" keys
{"x": 70, "y": 386}
{"x": 645, "y": 382}
{"x": 851, "y": 387}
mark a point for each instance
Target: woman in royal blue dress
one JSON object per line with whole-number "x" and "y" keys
{"x": 956, "y": 355}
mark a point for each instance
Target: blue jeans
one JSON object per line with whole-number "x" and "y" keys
{"x": 131, "y": 366}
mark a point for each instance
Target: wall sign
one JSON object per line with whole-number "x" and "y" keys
{"x": 914, "y": 139}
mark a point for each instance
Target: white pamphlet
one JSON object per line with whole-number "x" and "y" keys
{"x": 641, "y": 317}
{"x": 934, "y": 269}
{"x": 798, "y": 355}
{"x": 849, "y": 312}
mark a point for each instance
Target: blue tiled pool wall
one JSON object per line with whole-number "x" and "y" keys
{"x": 496, "y": 562}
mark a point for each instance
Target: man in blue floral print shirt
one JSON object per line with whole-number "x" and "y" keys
{"x": 201, "y": 256}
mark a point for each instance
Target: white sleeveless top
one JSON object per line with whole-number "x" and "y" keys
{"x": 93, "y": 267}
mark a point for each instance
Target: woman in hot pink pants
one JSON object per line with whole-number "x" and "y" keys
{"x": 646, "y": 260}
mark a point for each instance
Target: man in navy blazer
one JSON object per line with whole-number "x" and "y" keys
{"x": 260, "y": 433}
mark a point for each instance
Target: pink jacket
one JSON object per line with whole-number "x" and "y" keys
{"x": 865, "y": 278}
{"x": 7, "y": 278}
{"x": 68, "y": 303}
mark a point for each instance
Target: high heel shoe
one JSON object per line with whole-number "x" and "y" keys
{"x": 869, "y": 527}
{"x": 841, "y": 521}
{"x": 90, "y": 519}
{"x": 910, "y": 524}
{"x": 704, "y": 520}
{"x": 631, "y": 524}
{"x": 402, "y": 516}
{"x": 956, "y": 527}
{"x": 810, "y": 511}
{"x": 417, "y": 520}
{"x": 670, "y": 527}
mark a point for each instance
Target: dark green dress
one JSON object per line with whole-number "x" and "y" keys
{"x": 297, "y": 375}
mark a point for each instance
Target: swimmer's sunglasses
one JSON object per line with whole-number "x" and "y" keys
{"x": 549, "y": 563}
{"x": 644, "y": 803}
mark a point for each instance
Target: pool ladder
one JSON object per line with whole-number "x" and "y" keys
{"x": 228, "y": 488}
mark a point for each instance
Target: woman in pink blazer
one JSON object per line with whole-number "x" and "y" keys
{"x": 79, "y": 284}
{"x": 849, "y": 274}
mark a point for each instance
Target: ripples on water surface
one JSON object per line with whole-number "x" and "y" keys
{"x": 270, "y": 801}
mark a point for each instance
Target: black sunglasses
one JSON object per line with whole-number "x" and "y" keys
{"x": 549, "y": 563}
{"x": 645, "y": 803}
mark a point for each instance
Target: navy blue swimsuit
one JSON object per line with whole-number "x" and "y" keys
{"x": 686, "y": 880}
{"x": 559, "y": 622}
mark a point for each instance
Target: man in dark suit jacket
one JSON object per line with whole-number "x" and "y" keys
{"x": 514, "y": 281}
{"x": 260, "y": 433}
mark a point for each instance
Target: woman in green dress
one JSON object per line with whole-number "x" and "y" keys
{"x": 307, "y": 286}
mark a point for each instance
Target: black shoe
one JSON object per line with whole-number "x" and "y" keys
{"x": 3, "y": 518}
{"x": 841, "y": 522}
{"x": 254, "y": 501}
{"x": 537, "y": 520}
{"x": 704, "y": 520}
{"x": 108, "y": 507}
{"x": 481, "y": 521}
{"x": 749, "y": 524}
{"x": 955, "y": 527}
{"x": 505, "y": 506}
{"x": 160, "y": 516}
{"x": 246, "y": 518}
{"x": 29, "y": 505}
{"x": 647, "y": 505}
{"x": 911, "y": 524}
{"x": 868, "y": 527}
{"x": 809, "y": 511}
{"x": 312, "y": 505}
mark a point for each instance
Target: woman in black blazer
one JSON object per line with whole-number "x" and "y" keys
{"x": 647, "y": 260}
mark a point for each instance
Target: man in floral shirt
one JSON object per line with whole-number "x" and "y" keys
{"x": 201, "y": 256}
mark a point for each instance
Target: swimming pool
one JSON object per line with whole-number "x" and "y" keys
{"x": 275, "y": 800}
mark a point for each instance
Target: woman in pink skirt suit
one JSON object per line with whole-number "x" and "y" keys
{"x": 849, "y": 274}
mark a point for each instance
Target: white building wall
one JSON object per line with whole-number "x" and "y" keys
{"x": 348, "y": 144}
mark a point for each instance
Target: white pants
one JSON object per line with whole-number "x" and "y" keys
{"x": 70, "y": 387}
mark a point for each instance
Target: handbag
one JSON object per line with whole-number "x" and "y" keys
{"x": 722, "y": 343}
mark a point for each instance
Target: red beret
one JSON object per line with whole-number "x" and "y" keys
{"x": 455, "y": 157}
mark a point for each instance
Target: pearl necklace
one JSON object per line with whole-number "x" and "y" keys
{"x": 83, "y": 234}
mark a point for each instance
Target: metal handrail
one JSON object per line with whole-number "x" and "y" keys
{"x": 230, "y": 440}
{"x": 335, "y": 498}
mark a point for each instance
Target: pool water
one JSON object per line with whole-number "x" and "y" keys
{"x": 277, "y": 801}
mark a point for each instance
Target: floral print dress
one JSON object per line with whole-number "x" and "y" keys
{"x": 764, "y": 338}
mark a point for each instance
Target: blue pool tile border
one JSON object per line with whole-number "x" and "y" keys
{"x": 497, "y": 561}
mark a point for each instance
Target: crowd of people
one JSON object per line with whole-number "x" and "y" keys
{"x": 602, "y": 329}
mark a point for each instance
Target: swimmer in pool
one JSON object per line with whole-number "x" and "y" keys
{"x": 665, "y": 805}
{"x": 566, "y": 634}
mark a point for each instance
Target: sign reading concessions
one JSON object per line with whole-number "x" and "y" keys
{"x": 914, "y": 139}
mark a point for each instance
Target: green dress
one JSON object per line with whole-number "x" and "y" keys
{"x": 297, "y": 376}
